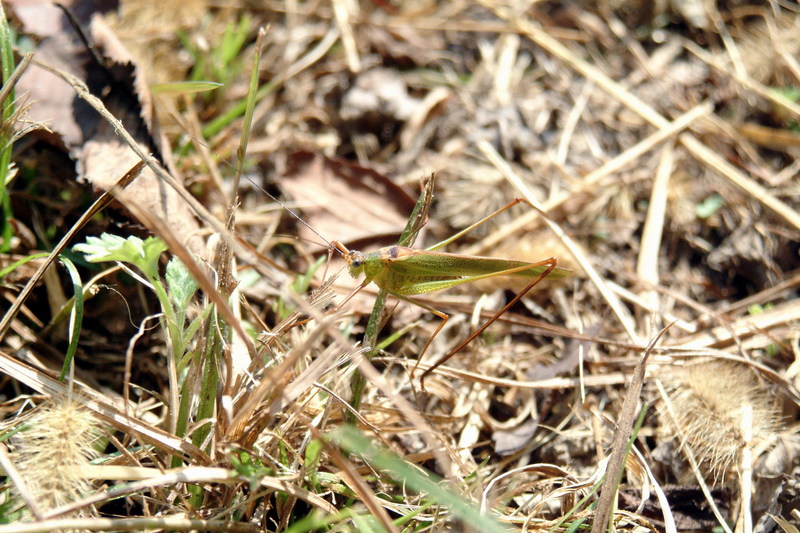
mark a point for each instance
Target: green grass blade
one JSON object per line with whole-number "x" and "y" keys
{"x": 7, "y": 66}
{"x": 184, "y": 87}
{"x": 76, "y": 317}
{"x": 411, "y": 477}
{"x": 415, "y": 222}
{"x": 16, "y": 264}
{"x": 249, "y": 110}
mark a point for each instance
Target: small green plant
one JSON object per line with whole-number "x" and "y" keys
{"x": 249, "y": 466}
{"x": 174, "y": 293}
{"x": 223, "y": 61}
{"x": 709, "y": 206}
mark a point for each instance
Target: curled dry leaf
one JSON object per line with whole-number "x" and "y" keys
{"x": 102, "y": 155}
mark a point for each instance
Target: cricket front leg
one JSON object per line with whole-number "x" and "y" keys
{"x": 335, "y": 309}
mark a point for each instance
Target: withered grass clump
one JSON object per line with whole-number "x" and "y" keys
{"x": 720, "y": 408}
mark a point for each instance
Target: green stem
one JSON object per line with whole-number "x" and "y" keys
{"x": 415, "y": 222}
{"x": 370, "y": 339}
{"x": 175, "y": 339}
{"x": 7, "y": 66}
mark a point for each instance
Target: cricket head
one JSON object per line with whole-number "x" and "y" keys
{"x": 355, "y": 262}
{"x": 355, "y": 259}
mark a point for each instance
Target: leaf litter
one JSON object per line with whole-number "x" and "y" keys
{"x": 696, "y": 228}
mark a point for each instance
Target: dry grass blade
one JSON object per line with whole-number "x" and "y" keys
{"x": 755, "y": 328}
{"x": 94, "y": 401}
{"x": 175, "y": 523}
{"x": 194, "y": 474}
{"x": 647, "y": 264}
{"x": 736, "y": 177}
{"x": 622, "y": 313}
{"x": 8, "y": 86}
{"x": 593, "y": 178}
{"x": 622, "y": 435}
{"x": 96, "y": 207}
{"x": 647, "y": 112}
{"x": 361, "y": 488}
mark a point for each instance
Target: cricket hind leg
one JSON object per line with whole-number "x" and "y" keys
{"x": 444, "y": 318}
{"x": 439, "y": 362}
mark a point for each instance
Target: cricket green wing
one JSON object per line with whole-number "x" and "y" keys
{"x": 422, "y": 263}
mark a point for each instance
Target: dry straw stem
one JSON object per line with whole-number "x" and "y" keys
{"x": 173, "y": 523}
{"x": 762, "y": 297}
{"x": 752, "y": 331}
{"x": 622, "y": 313}
{"x": 747, "y": 82}
{"x": 360, "y": 487}
{"x": 427, "y": 432}
{"x": 549, "y": 384}
{"x": 99, "y": 404}
{"x": 8, "y": 86}
{"x": 158, "y": 226}
{"x": 565, "y": 496}
{"x": 623, "y": 432}
{"x": 192, "y": 474}
{"x": 162, "y": 229}
{"x": 753, "y": 328}
{"x": 344, "y": 11}
{"x": 95, "y": 208}
{"x": 20, "y": 485}
{"x": 540, "y": 36}
{"x": 669, "y": 519}
{"x": 651, "y": 305}
{"x": 647, "y": 263}
{"x": 593, "y": 178}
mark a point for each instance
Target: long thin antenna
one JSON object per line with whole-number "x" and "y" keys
{"x": 262, "y": 189}
{"x": 288, "y": 210}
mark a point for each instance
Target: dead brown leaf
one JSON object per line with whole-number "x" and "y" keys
{"x": 100, "y": 152}
{"x": 345, "y": 201}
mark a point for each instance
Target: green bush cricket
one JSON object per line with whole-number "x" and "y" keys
{"x": 404, "y": 272}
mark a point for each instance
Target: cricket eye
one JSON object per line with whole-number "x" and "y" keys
{"x": 357, "y": 263}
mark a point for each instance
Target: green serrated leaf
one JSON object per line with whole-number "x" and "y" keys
{"x": 181, "y": 284}
{"x": 143, "y": 254}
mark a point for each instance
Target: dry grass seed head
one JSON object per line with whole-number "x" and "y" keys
{"x": 59, "y": 439}
{"x": 764, "y": 45}
{"x": 709, "y": 401}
